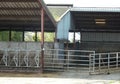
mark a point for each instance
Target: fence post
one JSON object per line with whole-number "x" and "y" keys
{"x": 68, "y": 60}
{"x": 117, "y": 60}
{"x": 90, "y": 56}
{"x": 100, "y": 62}
{"x": 5, "y": 57}
{"x": 108, "y": 62}
{"x": 91, "y": 63}
{"x": 94, "y": 62}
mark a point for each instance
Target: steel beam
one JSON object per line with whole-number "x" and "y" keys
{"x": 18, "y": 0}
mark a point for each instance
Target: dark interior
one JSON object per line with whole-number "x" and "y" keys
{"x": 98, "y": 22}
{"x": 86, "y": 21}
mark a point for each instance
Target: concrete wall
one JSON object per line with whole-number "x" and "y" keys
{"x": 24, "y": 45}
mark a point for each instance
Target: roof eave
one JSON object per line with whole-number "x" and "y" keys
{"x": 63, "y": 15}
{"x": 48, "y": 13}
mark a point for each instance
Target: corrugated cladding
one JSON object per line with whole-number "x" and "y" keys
{"x": 96, "y": 9}
{"x": 57, "y": 12}
{"x": 64, "y": 26}
{"x": 100, "y": 36}
{"x": 25, "y": 15}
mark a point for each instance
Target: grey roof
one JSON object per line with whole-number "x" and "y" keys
{"x": 96, "y": 9}
{"x": 24, "y": 15}
{"x": 58, "y": 10}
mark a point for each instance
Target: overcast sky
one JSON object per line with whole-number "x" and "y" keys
{"x": 87, "y": 3}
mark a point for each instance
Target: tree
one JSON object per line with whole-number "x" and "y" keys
{"x": 48, "y": 36}
{"x": 16, "y": 36}
{"x": 4, "y": 36}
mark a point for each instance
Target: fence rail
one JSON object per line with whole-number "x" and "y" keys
{"x": 106, "y": 62}
{"x": 62, "y": 60}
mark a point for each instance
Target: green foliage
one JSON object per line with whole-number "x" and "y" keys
{"x": 30, "y": 36}
{"x": 4, "y": 36}
{"x": 48, "y": 37}
{"x": 16, "y": 36}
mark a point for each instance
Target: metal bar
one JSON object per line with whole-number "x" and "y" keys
{"x": 100, "y": 62}
{"x": 94, "y": 61}
{"x": 42, "y": 39}
{"x": 90, "y": 62}
{"x": 5, "y": 58}
{"x": 71, "y": 63}
{"x": 19, "y": 56}
{"x": 108, "y": 62}
{"x": 117, "y": 60}
{"x": 38, "y": 58}
{"x": 15, "y": 58}
{"x": 68, "y": 60}
{"x": 87, "y": 51}
{"x": 26, "y": 60}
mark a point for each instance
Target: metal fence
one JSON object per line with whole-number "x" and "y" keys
{"x": 105, "y": 62}
{"x": 54, "y": 59}
{"x": 20, "y": 59}
{"x": 62, "y": 60}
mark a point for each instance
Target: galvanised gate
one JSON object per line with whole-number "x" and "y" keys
{"x": 58, "y": 60}
{"x": 54, "y": 60}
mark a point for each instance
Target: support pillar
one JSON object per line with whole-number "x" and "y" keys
{"x": 42, "y": 39}
{"x": 35, "y": 36}
{"x": 74, "y": 39}
{"x": 23, "y": 35}
{"x": 10, "y": 35}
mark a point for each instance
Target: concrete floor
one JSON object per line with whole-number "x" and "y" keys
{"x": 59, "y": 78}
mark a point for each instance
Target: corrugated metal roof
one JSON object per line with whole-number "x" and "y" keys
{"x": 96, "y": 9}
{"x": 58, "y": 10}
{"x": 24, "y": 13}
{"x": 96, "y": 19}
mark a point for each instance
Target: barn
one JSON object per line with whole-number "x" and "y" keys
{"x": 16, "y": 18}
{"x": 95, "y": 30}
{"x": 86, "y": 39}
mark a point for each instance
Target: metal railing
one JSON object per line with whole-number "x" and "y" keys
{"x": 62, "y": 60}
{"x": 20, "y": 58}
{"x": 106, "y": 62}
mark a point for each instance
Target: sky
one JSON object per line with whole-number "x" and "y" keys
{"x": 86, "y": 3}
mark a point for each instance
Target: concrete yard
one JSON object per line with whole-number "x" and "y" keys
{"x": 59, "y": 78}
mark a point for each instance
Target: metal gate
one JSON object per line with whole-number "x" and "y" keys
{"x": 106, "y": 62}
{"x": 62, "y": 60}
